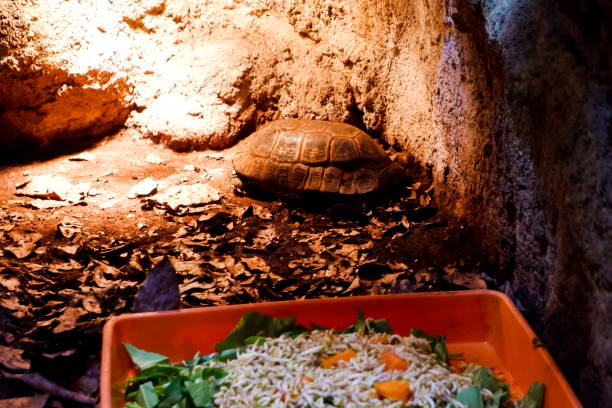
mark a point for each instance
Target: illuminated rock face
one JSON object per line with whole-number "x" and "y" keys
{"x": 505, "y": 102}
{"x": 58, "y": 76}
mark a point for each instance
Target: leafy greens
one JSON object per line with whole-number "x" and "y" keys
{"x": 438, "y": 344}
{"x": 253, "y": 324}
{"x": 160, "y": 384}
{"x": 534, "y": 397}
{"x": 484, "y": 378}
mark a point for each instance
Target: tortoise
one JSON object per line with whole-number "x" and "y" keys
{"x": 295, "y": 155}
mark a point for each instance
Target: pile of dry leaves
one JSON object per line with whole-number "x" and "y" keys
{"x": 58, "y": 291}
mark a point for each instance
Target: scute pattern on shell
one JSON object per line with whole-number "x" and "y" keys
{"x": 314, "y": 155}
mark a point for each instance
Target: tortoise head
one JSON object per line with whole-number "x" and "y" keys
{"x": 392, "y": 176}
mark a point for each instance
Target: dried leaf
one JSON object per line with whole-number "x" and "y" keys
{"x": 68, "y": 319}
{"x": 256, "y": 263}
{"x": 25, "y": 242}
{"x": 354, "y": 285}
{"x": 389, "y": 279}
{"x": 66, "y": 250}
{"x": 101, "y": 271}
{"x": 349, "y": 251}
{"x": 68, "y": 228}
{"x": 9, "y": 282}
{"x": 90, "y": 303}
{"x": 12, "y": 359}
{"x": 22, "y": 184}
{"x": 262, "y": 213}
{"x": 234, "y": 268}
{"x": 215, "y": 224}
{"x": 405, "y": 222}
{"x": 469, "y": 280}
{"x": 35, "y": 401}
{"x": 194, "y": 285}
{"x": 160, "y": 290}
{"x": 265, "y": 237}
{"x": 63, "y": 353}
{"x": 84, "y": 156}
{"x": 375, "y": 231}
{"x": 397, "y": 266}
{"x": 40, "y": 204}
{"x": 215, "y": 297}
{"x": 52, "y": 187}
{"x": 40, "y": 250}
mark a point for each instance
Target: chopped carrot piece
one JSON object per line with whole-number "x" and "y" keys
{"x": 396, "y": 390}
{"x": 393, "y": 361}
{"x": 299, "y": 385}
{"x": 379, "y": 339}
{"x": 345, "y": 355}
{"x": 304, "y": 380}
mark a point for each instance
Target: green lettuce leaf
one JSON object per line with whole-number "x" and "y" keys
{"x": 146, "y": 395}
{"x": 173, "y": 393}
{"x": 367, "y": 326}
{"x": 362, "y": 325}
{"x": 358, "y": 327}
{"x": 164, "y": 385}
{"x": 256, "y": 324}
{"x": 144, "y": 359}
{"x": 318, "y": 327}
{"x": 534, "y": 397}
{"x": 437, "y": 344}
{"x": 484, "y": 377}
{"x": 470, "y": 397}
{"x": 201, "y": 393}
{"x": 381, "y": 326}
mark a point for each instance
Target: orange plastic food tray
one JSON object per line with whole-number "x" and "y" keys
{"x": 483, "y": 325}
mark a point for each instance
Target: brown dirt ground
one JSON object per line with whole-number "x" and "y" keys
{"x": 246, "y": 248}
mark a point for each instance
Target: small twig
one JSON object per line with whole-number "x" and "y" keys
{"x": 39, "y": 382}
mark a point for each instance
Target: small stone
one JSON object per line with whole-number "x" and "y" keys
{"x": 85, "y": 156}
{"x": 145, "y": 188}
{"x": 187, "y": 196}
{"x": 154, "y": 159}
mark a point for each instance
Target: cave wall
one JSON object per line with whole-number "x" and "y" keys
{"x": 506, "y": 103}
{"x": 555, "y": 128}
{"x": 58, "y": 74}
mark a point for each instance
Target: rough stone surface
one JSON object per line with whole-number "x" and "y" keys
{"x": 506, "y": 103}
{"x": 557, "y": 115}
{"x": 58, "y": 76}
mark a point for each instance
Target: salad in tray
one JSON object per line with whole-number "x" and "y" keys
{"x": 272, "y": 362}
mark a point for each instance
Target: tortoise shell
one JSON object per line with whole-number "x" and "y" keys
{"x": 315, "y": 155}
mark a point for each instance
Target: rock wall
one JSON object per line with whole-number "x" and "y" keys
{"x": 555, "y": 129}
{"x": 506, "y": 103}
{"x": 58, "y": 74}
